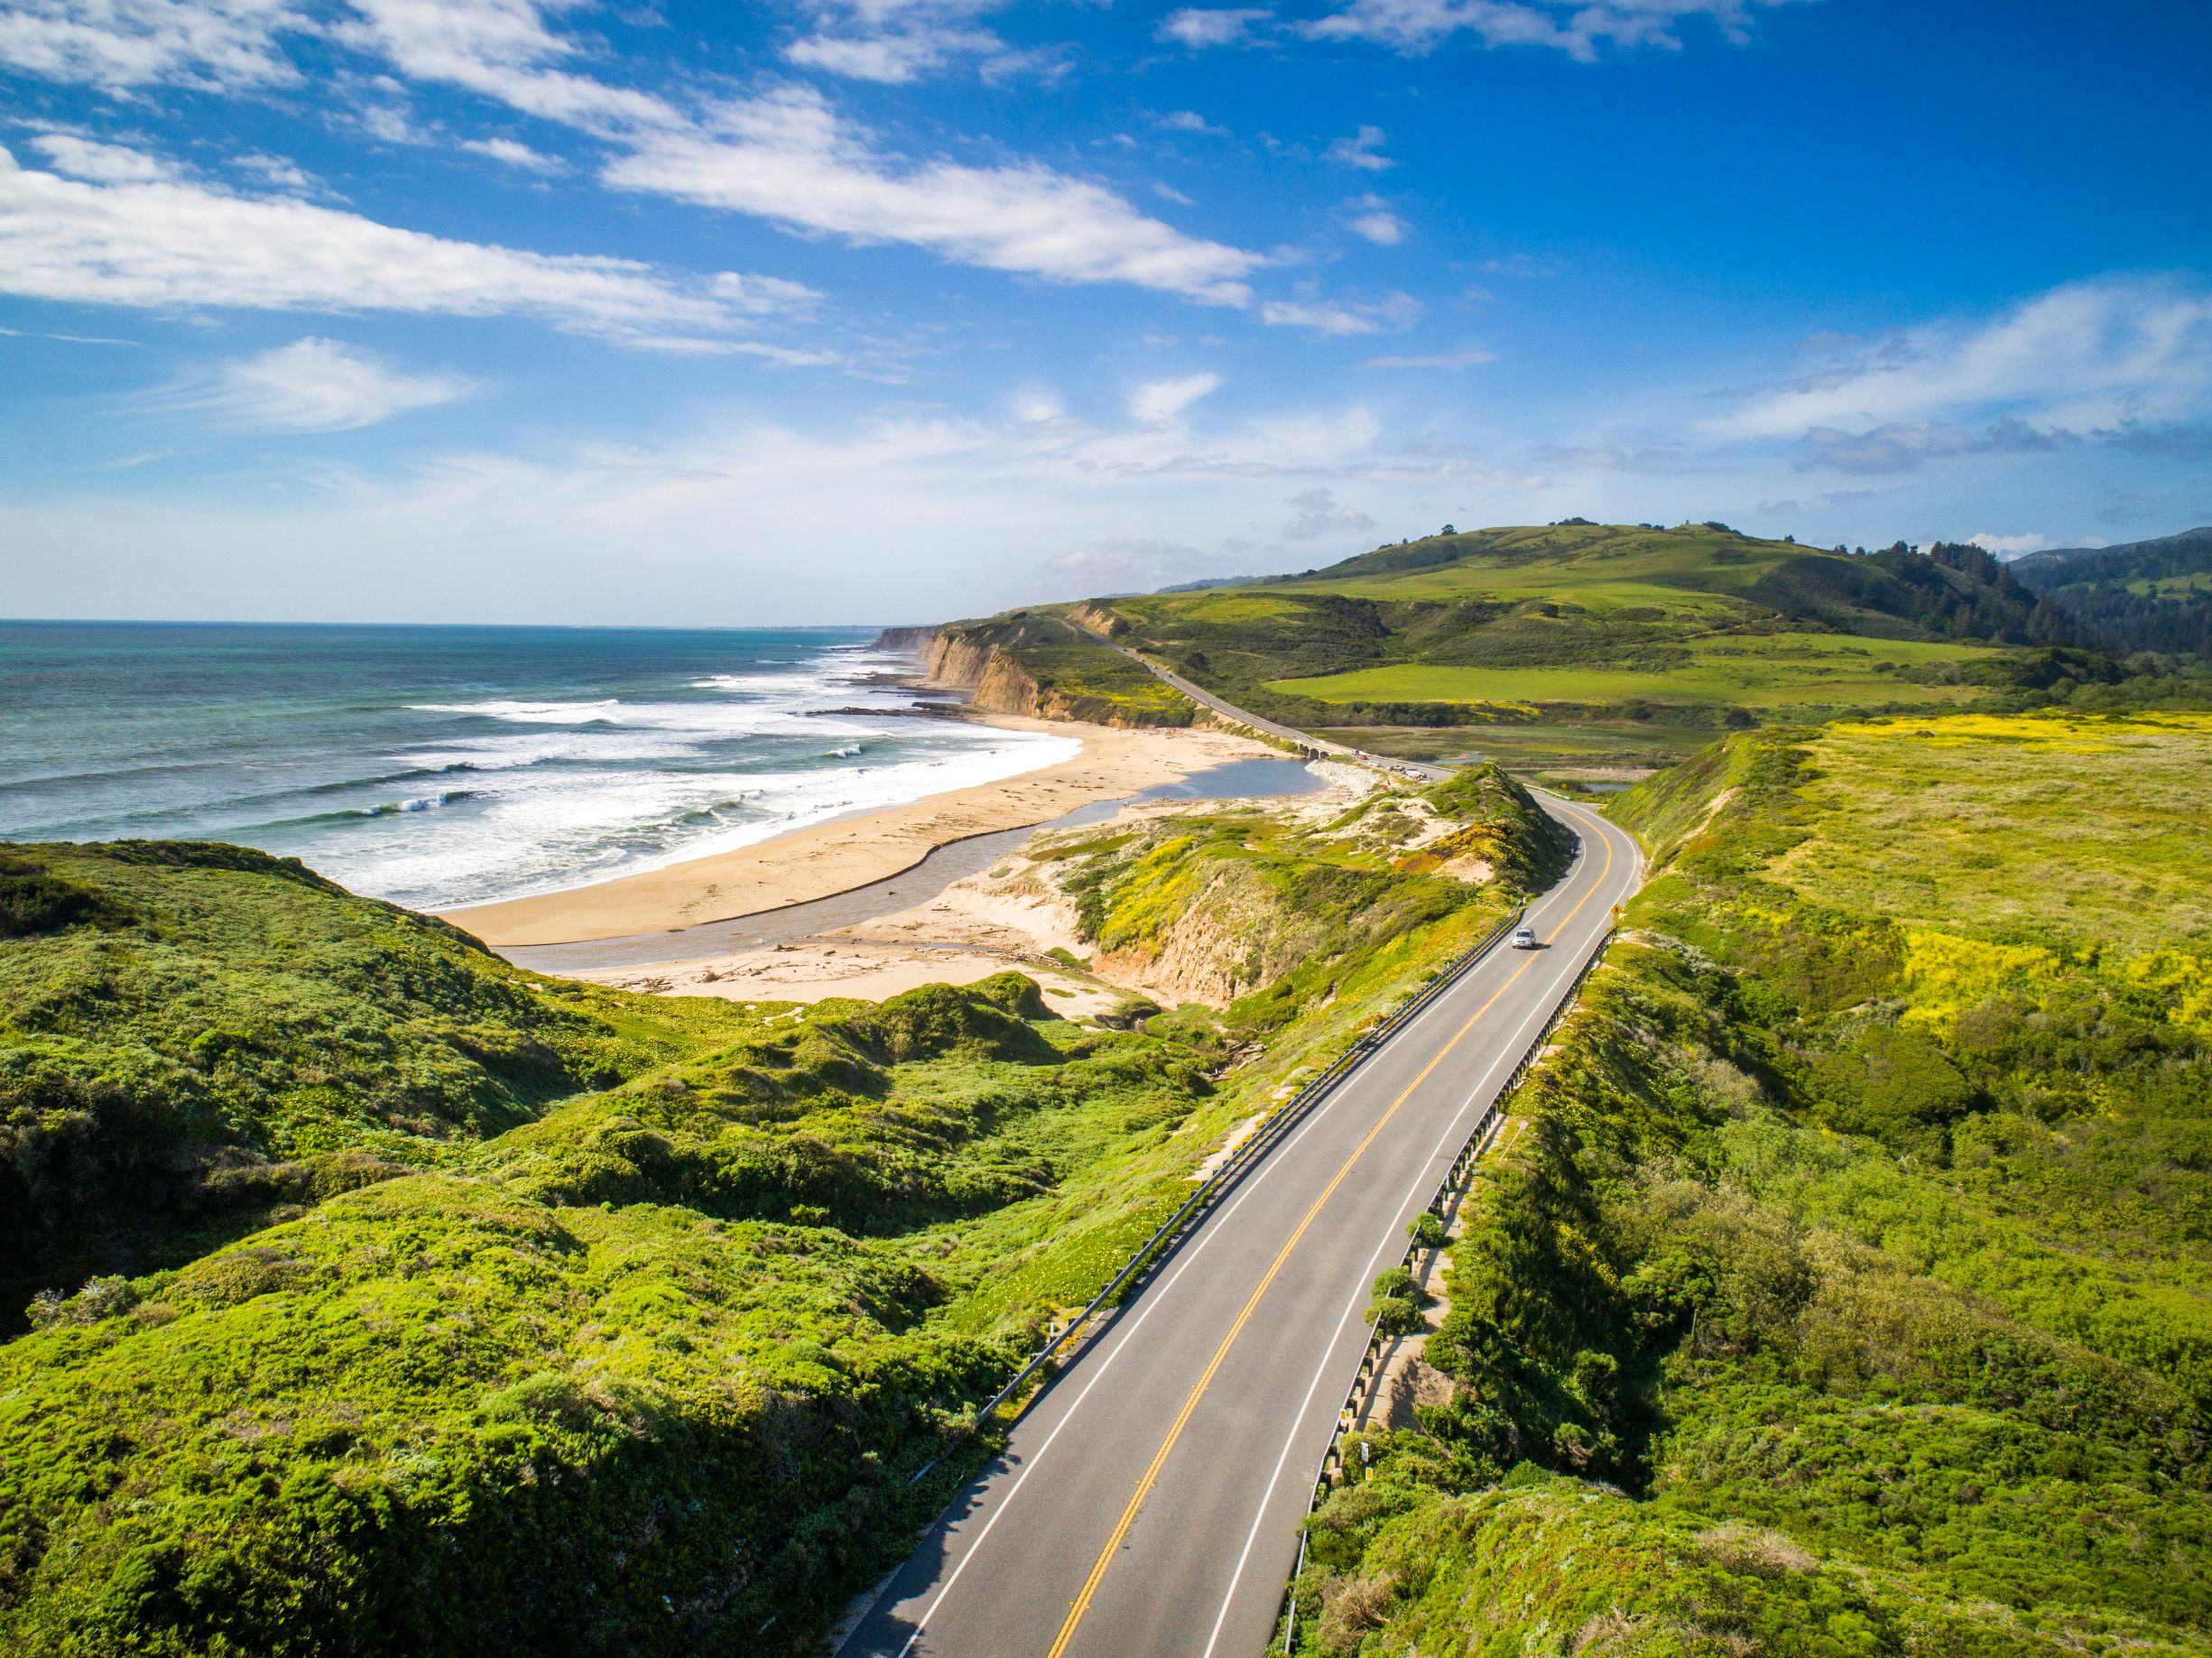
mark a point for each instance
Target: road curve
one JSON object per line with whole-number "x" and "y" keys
{"x": 1148, "y": 1504}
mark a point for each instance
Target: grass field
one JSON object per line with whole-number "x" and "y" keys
{"x": 1774, "y": 672}
{"x": 1534, "y": 745}
{"x": 1694, "y": 570}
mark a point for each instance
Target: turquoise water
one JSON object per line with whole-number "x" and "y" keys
{"x": 447, "y": 765}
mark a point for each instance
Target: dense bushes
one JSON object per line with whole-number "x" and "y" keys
{"x": 1843, "y": 1291}
{"x": 197, "y": 1035}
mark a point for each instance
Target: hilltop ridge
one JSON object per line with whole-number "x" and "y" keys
{"x": 1608, "y": 636}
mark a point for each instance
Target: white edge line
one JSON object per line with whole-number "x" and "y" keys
{"x": 1329, "y": 1352}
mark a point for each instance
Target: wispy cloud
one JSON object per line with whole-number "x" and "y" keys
{"x": 2088, "y": 355}
{"x": 1468, "y": 357}
{"x": 1160, "y": 402}
{"x": 1373, "y": 220}
{"x": 1361, "y": 150}
{"x": 1200, "y": 27}
{"x": 1187, "y": 121}
{"x": 510, "y": 152}
{"x": 310, "y": 386}
{"x": 1318, "y": 512}
{"x": 1342, "y": 318}
{"x": 789, "y": 158}
{"x": 784, "y": 156}
{"x": 1576, "y": 27}
{"x": 121, "y": 45}
{"x": 137, "y": 233}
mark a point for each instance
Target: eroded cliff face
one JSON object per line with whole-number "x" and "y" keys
{"x": 949, "y": 660}
{"x": 999, "y": 682}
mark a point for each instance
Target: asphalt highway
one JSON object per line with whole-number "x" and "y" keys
{"x": 1148, "y": 1504}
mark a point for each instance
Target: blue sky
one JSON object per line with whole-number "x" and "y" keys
{"x": 878, "y": 309}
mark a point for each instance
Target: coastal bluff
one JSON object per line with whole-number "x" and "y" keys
{"x": 1032, "y": 664}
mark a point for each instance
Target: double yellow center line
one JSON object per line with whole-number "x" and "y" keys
{"x": 1183, "y": 1417}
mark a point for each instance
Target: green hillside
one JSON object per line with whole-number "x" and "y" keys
{"x": 2143, "y": 595}
{"x": 1614, "y": 630}
{"x": 1845, "y": 1286}
{"x": 385, "y": 1298}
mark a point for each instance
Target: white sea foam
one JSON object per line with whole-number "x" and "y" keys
{"x": 568, "y": 791}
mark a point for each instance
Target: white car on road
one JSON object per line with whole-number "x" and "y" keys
{"x": 1524, "y": 937}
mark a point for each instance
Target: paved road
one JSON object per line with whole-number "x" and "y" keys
{"x": 1288, "y": 734}
{"x": 1148, "y": 1504}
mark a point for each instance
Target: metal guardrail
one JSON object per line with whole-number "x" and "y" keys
{"x": 1240, "y": 1163}
{"x": 1451, "y": 1188}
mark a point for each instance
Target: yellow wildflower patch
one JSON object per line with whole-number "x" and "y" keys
{"x": 1947, "y": 974}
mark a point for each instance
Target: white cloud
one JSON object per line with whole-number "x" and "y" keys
{"x": 118, "y": 45}
{"x": 1188, "y": 120}
{"x": 1199, "y": 27}
{"x": 891, "y": 60}
{"x": 503, "y": 50}
{"x": 277, "y": 173}
{"x": 507, "y": 152}
{"x": 1360, "y": 151}
{"x": 102, "y": 164}
{"x": 1318, "y": 512}
{"x": 312, "y": 385}
{"x": 1158, "y": 402}
{"x": 154, "y": 240}
{"x": 2089, "y": 355}
{"x": 789, "y": 157}
{"x": 1375, "y": 221}
{"x": 1577, "y": 27}
{"x": 1339, "y": 319}
{"x": 1469, "y": 356}
{"x": 2009, "y": 547}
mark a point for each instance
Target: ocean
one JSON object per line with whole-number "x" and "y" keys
{"x": 440, "y": 766}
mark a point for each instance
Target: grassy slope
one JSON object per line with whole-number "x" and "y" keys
{"x": 1598, "y": 625}
{"x": 194, "y": 1039}
{"x": 1787, "y": 672}
{"x": 652, "y": 1367}
{"x": 1847, "y": 1289}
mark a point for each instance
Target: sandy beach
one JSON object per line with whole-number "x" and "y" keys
{"x": 1013, "y": 917}
{"x": 835, "y": 857}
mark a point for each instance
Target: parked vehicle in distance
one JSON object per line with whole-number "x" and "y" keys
{"x": 1524, "y": 937}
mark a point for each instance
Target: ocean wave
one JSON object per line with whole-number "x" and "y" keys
{"x": 526, "y": 713}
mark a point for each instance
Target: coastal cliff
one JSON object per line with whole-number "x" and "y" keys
{"x": 913, "y": 640}
{"x": 1034, "y": 664}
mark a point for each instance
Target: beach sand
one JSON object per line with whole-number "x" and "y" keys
{"x": 1012, "y": 917}
{"x": 835, "y": 857}
{"x": 814, "y": 969}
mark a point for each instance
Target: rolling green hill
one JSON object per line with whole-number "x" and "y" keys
{"x": 1602, "y": 634}
{"x": 2143, "y": 595}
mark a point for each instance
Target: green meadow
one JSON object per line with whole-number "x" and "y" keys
{"x": 1782, "y": 673}
{"x": 1587, "y": 627}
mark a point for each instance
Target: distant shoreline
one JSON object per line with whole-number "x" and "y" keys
{"x": 823, "y": 859}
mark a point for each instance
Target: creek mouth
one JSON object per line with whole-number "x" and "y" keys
{"x": 955, "y": 861}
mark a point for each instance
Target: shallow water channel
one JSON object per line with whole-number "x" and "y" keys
{"x": 1237, "y": 780}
